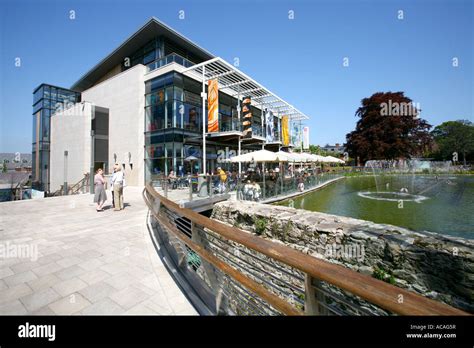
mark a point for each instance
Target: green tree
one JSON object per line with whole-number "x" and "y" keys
{"x": 4, "y": 167}
{"x": 454, "y": 136}
{"x": 388, "y": 128}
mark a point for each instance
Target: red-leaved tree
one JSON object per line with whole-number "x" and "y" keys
{"x": 388, "y": 128}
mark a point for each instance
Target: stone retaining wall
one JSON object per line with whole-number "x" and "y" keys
{"x": 436, "y": 266}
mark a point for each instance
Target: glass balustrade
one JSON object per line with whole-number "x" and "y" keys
{"x": 171, "y": 58}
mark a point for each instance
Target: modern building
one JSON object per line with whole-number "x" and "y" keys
{"x": 15, "y": 162}
{"x": 334, "y": 149}
{"x": 156, "y": 102}
{"x": 46, "y": 100}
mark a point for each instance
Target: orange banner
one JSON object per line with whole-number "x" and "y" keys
{"x": 285, "y": 130}
{"x": 213, "y": 107}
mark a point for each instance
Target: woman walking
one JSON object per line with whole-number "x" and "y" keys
{"x": 100, "y": 195}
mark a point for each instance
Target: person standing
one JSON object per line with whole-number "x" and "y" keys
{"x": 222, "y": 180}
{"x": 118, "y": 181}
{"x": 100, "y": 196}
{"x": 111, "y": 185}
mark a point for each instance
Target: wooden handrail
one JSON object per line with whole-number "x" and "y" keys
{"x": 247, "y": 282}
{"x": 370, "y": 289}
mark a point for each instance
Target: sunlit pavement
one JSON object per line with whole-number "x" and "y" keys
{"x": 59, "y": 256}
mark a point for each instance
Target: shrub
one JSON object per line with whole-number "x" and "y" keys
{"x": 381, "y": 274}
{"x": 260, "y": 225}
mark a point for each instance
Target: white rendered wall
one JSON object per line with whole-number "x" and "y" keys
{"x": 124, "y": 96}
{"x": 70, "y": 131}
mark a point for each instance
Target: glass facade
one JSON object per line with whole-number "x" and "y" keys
{"x": 173, "y": 113}
{"x": 173, "y": 117}
{"x": 156, "y": 53}
{"x": 46, "y": 100}
{"x": 173, "y": 126}
{"x": 148, "y": 53}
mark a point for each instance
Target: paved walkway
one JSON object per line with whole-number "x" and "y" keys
{"x": 86, "y": 262}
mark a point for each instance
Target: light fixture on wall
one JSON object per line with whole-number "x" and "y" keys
{"x": 128, "y": 156}
{"x": 130, "y": 160}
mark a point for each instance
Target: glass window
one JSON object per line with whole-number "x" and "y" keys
{"x": 149, "y": 57}
{"x": 54, "y": 93}
{"x": 157, "y": 150}
{"x": 179, "y": 60}
{"x": 155, "y": 117}
{"x": 179, "y": 111}
{"x": 45, "y": 127}
{"x": 35, "y": 125}
{"x": 156, "y": 167}
{"x": 225, "y": 123}
{"x": 192, "y": 98}
{"x": 169, "y": 114}
{"x": 37, "y": 95}
{"x": 169, "y": 93}
{"x": 37, "y": 106}
{"x": 160, "y": 96}
{"x": 61, "y": 95}
{"x": 46, "y": 92}
{"x": 169, "y": 150}
{"x": 178, "y": 80}
{"x": 224, "y": 109}
{"x": 178, "y": 149}
{"x": 178, "y": 93}
{"x": 192, "y": 116}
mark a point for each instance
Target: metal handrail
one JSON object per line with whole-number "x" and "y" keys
{"x": 73, "y": 189}
{"x": 372, "y": 290}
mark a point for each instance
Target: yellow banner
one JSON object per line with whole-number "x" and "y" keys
{"x": 213, "y": 107}
{"x": 285, "y": 130}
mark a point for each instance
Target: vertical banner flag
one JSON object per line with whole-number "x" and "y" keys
{"x": 306, "y": 138}
{"x": 246, "y": 118}
{"x": 285, "y": 131}
{"x": 295, "y": 136}
{"x": 269, "y": 122}
{"x": 213, "y": 106}
{"x": 278, "y": 127}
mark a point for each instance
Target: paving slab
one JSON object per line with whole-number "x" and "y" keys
{"x": 87, "y": 262}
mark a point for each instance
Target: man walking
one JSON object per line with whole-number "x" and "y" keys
{"x": 118, "y": 182}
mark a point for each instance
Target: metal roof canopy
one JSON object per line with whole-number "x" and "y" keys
{"x": 235, "y": 83}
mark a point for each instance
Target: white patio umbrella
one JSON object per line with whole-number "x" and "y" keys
{"x": 318, "y": 158}
{"x": 284, "y": 156}
{"x": 298, "y": 157}
{"x": 259, "y": 156}
{"x": 326, "y": 159}
{"x": 332, "y": 159}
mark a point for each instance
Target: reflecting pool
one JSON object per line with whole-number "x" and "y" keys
{"x": 436, "y": 203}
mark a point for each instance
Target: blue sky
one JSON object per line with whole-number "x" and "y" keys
{"x": 301, "y": 60}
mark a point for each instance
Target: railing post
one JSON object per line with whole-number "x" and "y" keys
{"x": 211, "y": 188}
{"x": 310, "y": 301}
{"x": 165, "y": 188}
{"x": 221, "y": 301}
{"x": 190, "y": 183}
